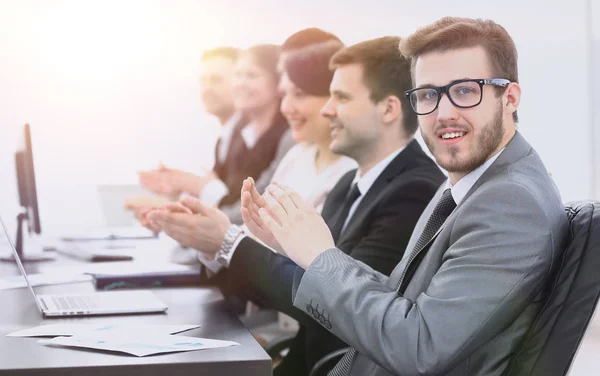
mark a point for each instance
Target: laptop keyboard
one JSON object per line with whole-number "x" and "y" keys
{"x": 74, "y": 302}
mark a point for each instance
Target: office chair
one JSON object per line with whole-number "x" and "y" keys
{"x": 573, "y": 290}
{"x": 326, "y": 363}
{"x": 557, "y": 332}
{"x": 275, "y": 347}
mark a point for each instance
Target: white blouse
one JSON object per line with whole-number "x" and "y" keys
{"x": 298, "y": 171}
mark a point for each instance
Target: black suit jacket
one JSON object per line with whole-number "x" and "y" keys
{"x": 377, "y": 235}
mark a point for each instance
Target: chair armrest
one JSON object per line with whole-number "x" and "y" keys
{"x": 326, "y": 363}
{"x": 275, "y": 346}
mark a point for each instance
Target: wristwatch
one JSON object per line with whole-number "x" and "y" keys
{"x": 224, "y": 254}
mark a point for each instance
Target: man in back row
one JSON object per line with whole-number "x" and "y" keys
{"x": 472, "y": 279}
{"x": 216, "y": 85}
{"x": 216, "y": 91}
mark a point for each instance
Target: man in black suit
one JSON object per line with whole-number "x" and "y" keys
{"x": 370, "y": 211}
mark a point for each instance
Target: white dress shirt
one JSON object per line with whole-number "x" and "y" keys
{"x": 462, "y": 187}
{"x": 214, "y": 191}
{"x": 298, "y": 171}
{"x": 226, "y": 136}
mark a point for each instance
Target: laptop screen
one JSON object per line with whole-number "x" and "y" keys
{"x": 18, "y": 261}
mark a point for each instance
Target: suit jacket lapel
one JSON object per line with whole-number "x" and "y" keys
{"x": 335, "y": 199}
{"x": 516, "y": 149}
{"x": 396, "y": 167}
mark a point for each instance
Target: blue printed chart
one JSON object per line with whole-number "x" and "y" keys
{"x": 88, "y": 330}
{"x": 140, "y": 345}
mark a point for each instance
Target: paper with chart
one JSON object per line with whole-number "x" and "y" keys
{"x": 55, "y": 330}
{"x": 139, "y": 345}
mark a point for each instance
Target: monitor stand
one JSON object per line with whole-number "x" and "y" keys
{"x": 33, "y": 255}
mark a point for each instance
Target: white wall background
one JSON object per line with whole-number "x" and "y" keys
{"x": 110, "y": 87}
{"x": 594, "y": 41}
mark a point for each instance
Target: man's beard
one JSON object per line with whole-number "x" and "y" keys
{"x": 486, "y": 143}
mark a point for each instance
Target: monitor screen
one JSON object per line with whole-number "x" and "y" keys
{"x": 26, "y": 181}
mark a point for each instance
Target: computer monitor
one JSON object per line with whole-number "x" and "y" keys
{"x": 27, "y": 199}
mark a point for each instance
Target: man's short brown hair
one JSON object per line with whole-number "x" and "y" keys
{"x": 385, "y": 72}
{"x": 230, "y": 53}
{"x": 450, "y": 33}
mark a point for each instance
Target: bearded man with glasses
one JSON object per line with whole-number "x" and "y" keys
{"x": 473, "y": 276}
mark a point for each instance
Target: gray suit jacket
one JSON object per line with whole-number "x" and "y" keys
{"x": 475, "y": 292}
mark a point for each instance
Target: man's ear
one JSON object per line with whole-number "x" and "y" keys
{"x": 513, "y": 97}
{"x": 391, "y": 109}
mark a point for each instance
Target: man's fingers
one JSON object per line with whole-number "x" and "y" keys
{"x": 196, "y": 206}
{"x": 246, "y": 199}
{"x": 143, "y": 212}
{"x": 249, "y": 204}
{"x": 256, "y": 197}
{"x": 156, "y": 217}
{"x": 178, "y": 234}
{"x": 164, "y": 218}
{"x": 274, "y": 208}
{"x": 254, "y": 213}
{"x": 148, "y": 176}
{"x": 253, "y": 222}
{"x": 255, "y": 218}
{"x": 176, "y": 207}
{"x": 162, "y": 167}
{"x": 295, "y": 198}
{"x": 254, "y": 208}
{"x": 270, "y": 223}
{"x": 282, "y": 197}
{"x": 245, "y": 187}
{"x": 246, "y": 216}
{"x": 150, "y": 226}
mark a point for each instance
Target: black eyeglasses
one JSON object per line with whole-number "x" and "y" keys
{"x": 462, "y": 93}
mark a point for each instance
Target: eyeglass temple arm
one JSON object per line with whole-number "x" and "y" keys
{"x": 496, "y": 81}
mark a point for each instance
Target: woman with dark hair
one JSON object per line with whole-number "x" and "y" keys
{"x": 310, "y": 167}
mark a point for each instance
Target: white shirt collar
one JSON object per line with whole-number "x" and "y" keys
{"x": 249, "y": 135}
{"x": 365, "y": 182}
{"x": 226, "y": 135}
{"x": 232, "y": 122}
{"x": 462, "y": 187}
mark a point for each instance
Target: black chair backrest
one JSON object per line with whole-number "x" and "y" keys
{"x": 326, "y": 363}
{"x": 552, "y": 342}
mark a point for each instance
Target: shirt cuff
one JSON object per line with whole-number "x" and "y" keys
{"x": 212, "y": 265}
{"x": 213, "y": 192}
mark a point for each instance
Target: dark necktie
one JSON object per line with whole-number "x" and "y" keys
{"x": 340, "y": 217}
{"x": 439, "y": 215}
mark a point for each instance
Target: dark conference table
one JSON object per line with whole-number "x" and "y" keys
{"x": 187, "y": 305}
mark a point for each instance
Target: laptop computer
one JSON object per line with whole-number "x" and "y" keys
{"x": 87, "y": 304}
